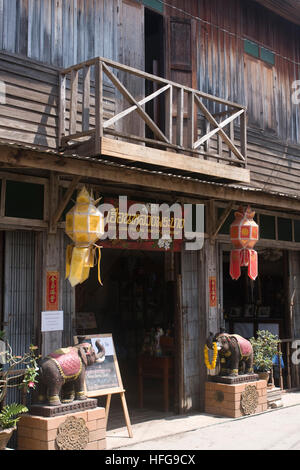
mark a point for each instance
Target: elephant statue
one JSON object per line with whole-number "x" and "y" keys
{"x": 62, "y": 373}
{"x": 235, "y": 353}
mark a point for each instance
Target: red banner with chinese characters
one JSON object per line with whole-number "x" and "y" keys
{"x": 212, "y": 291}
{"x": 52, "y": 290}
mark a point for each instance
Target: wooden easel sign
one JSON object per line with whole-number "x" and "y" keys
{"x": 104, "y": 378}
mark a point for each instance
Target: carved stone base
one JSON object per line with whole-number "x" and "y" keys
{"x": 83, "y": 430}
{"x": 225, "y": 379}
{"x": 235, "y": 400}
{"x": 64, "y": 408}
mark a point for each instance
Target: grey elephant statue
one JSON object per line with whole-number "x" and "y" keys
{"x": 235, "y": 353}
{"x": 62, "y": 373}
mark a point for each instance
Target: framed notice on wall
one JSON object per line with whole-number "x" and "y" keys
{"x": 102, "y": 378}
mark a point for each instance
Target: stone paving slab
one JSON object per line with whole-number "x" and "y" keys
{"x": 169, "y": 424}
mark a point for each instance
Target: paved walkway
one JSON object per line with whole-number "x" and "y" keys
{"x": 148, "y": 425}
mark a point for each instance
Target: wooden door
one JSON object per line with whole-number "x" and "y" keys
{"x": 181, "y": 68}
{"x": 131, "y": 53}
{"x": 181, "y": 51}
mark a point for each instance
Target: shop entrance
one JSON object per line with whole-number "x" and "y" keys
{"x": 137, "y": 298}
{"x": 249, "y": 306}
{"x": 261, "y": 304}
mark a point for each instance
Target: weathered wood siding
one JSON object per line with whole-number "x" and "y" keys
{"x": 30, "y": 112}
{"x": 194, "y": 328}
{"x": 225, "y": 70}
{"x": 59, "y": 32}
{"x": 64, "y": 32}
{"x": 294, "y": 294}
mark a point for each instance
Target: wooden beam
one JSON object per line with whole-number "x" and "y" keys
{"x": 224, "y": 136}
{"x": 221, "y": 221}
{"x": 98, "y": 105}
{"x": 86, "y": 98}
{"x": 63, "y": 203}
{"x": 73, "y": 101}
{"x": 124, "y": 113}
{"x": 53, "y": 198}
{"x": 217, "y": 129}
{"x": 179, "y": 119}
{"x": 133, "y": 101}
{"x": 94, "y": 168}
{"x": 62, "y": 108}
{"x": 163, "y": 158}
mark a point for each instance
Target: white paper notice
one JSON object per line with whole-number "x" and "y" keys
{"x": 53, "y": 320}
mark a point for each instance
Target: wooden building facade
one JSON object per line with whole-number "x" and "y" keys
{"x": 189, "y": 101}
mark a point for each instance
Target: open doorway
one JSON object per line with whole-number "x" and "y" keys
{"x": 263, "y": 304}
{"x": 154, "y": 64}
{"x": 137, "y": 298}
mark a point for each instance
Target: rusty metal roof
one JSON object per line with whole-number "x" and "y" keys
{"x": 288, "y": 9}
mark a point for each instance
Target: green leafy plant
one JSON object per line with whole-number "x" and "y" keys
{"x": 13, "y": 370}
{"x": 10, "y": 415}
{"x": 265, "y": 346}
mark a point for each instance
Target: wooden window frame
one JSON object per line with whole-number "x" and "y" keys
{"x": 260, "y": 47}
{"x": 19, "y": 221}
{"x": 272, "y": 242}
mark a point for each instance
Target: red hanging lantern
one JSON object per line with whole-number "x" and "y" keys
{"x": 244, "y": 235}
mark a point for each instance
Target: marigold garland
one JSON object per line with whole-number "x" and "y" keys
{"x": 213, "y": 363}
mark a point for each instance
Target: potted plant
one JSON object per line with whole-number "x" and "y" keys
{"x": 10, "y": 376}
{"x": 265, "y": 347}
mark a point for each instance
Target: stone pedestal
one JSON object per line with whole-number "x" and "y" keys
{"x": 82, "y": 430}
{"x": 235, "y": 400}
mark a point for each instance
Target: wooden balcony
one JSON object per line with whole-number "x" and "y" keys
{"x": 105, "y": 110}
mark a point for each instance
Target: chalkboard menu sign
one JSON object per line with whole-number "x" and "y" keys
{"x": 103, "y": 377}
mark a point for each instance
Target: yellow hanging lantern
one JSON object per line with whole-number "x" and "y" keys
{"x": 84, "y": 225}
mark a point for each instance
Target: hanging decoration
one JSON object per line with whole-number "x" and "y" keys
{"x": 84, "y": 225}
{"x": 244, "y": 235}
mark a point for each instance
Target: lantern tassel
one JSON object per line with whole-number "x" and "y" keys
{"x": 99, "y": 261}
{"x": 79, "y": 260}
{"x": 243, "y": 257}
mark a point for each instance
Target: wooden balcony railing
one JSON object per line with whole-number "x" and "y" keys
{"x": 194, "y": 123}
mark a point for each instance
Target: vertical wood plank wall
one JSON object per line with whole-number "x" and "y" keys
{"x": 190, "y": 326}
{"x": 51, "y": 262}
{"x": 59, "y": 32}
{"x": 294, "y": 278}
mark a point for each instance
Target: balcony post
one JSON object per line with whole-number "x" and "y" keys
{"x": 243, "y": 135}
{"x": 98, "y": 105}
{"x": 62, "y": 108}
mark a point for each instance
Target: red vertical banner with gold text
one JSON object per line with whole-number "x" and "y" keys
{"x": 52, "y": 290}
{"x": 212, "y": 291}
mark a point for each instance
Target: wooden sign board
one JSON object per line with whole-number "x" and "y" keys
{"x": 103, "y": 378}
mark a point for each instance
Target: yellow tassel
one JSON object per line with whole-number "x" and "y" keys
{"x": 99, "y": 260}
{"x": 68, "y": 259}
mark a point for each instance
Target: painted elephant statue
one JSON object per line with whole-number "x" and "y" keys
{"x": 62, "y": 373}
{"x": 235, "y": 353}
